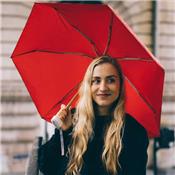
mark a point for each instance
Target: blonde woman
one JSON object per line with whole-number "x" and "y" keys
{"x": 99, "y": 137}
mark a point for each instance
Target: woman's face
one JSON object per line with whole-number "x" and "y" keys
{"x": 105, "y": 85}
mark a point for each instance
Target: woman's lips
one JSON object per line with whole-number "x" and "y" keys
{"x": 103, "y": 95}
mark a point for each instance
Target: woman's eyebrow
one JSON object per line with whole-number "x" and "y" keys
{"x": 112, "y": 76}
{"x": 109, "y": 76}
{"x": 96, "y": 77}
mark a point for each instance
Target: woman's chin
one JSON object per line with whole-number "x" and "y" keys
{"x": 104, "y": 104}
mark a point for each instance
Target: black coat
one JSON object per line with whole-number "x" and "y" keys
{"x": 133, "y": 157}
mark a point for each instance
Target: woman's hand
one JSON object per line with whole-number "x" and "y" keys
{"x": 63, "y": 118}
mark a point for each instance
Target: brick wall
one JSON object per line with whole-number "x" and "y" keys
{"x": 20, "y": 121}
{"x": 166, "y": 55}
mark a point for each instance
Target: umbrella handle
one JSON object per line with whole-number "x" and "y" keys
{"x": 56, "y": 121}
{"x": 71, "y": 101}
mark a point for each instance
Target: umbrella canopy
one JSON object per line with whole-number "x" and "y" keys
{"x": 60, "y": 40}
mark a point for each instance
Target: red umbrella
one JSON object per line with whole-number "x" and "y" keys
{"x": 61, "y": 39}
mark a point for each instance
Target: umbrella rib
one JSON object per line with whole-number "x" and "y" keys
{"x": 47, "y": 51}
{"x": 109, "y": 34}
{"x": 85, "y": 36}
{"x": 66, "y": 95}
{"x": 140, "y": 95}
{"x": 133, "y": 59}
{"x": 94, "y": 46}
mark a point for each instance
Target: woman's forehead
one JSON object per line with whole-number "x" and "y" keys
{"x": 105, "y": 69}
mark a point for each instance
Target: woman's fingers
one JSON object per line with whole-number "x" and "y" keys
{"x": 62, "y": 113}
{"x": 62, "y": 118}
{"x": 63, "y": 106}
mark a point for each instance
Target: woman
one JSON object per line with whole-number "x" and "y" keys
{"x": 99, "y": 137}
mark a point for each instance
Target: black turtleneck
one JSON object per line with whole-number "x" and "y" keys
{"x": 133, "y": 157}
{"x": 93, "y": 156}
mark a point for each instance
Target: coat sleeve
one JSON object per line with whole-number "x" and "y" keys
{"x": 135, "y": 144}
{"x": 50, "y": 160}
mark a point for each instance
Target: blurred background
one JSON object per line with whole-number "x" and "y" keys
{"x": 154, "y": 24}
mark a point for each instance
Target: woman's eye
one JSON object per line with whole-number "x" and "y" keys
{"x": 96, "y": 81}
{"x": 111, "y": 80}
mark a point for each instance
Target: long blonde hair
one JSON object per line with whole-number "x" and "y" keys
{"x": 84, "y": 119}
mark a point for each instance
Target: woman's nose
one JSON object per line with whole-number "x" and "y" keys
{"x": 103, "y": 86}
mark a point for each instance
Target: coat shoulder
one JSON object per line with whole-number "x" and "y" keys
{"x": 132, "y": 124}
{"x": 134, "y": 130}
